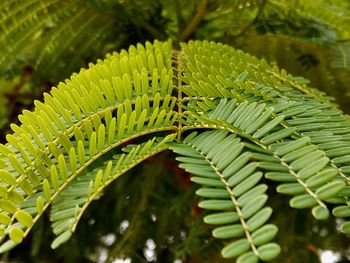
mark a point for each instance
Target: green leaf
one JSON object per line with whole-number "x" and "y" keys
{"x": 280, "y": 177}
{"x": 7, "y": 206}
{"x": 98, "y": 180}
{"x": 16, "y": 164}
{"x": 111, "y": 130}
{"x": 221, "y": 218}
{"x": 230, "y": 231}
{"x": 62, "y": 166}
{"x": 247, "y": 184}
{"x": 101, "y": 137}
{"x": 62, "y": 238}
{"x": 329, "y": 190}
{"x": 81, "y": 152}
{"x": 8, "y": 245}
{"x": 24, "y": 218}
{"x": 276, "y": 136}
{"x": 235, "y": 248}
{"x": 345, "y": 227}
{"x": 39, "y": 205}
{"x": 320, "y": 213}
{"x": 292, "y": 146}
{"x": 254, "y": 205}
{"x": 92, "y": 144}
{"x": 302, "y": 201}
{"x": 313, "y": 168}
{"x": 268, "y": 126}
{"x": 259, "y": 219}
{"x": 5, "y": 219}
{"x": 303, "y": 161}
{"x": 321, "y": 178}
{"x": 242, "y": 174}
{"x": 6, "y": 177}
{"x": 207, "y": 182}
{"x": 341, "y": 211}
{"x": 236, "y": 164}
{"x": 269, "y": 251}
{"x": 290, "y": 189}
{"x": 216, "y": 204}
{"x": 213, "y": 193}
{"x": 246, "y": 197}
{"x": 260, "y": 121}
{"x": 248, "y": 257}
{"x": 16, "y": 235}
{"x": 264, "y": 234}
{"x": 47, "y": 189}
{"x": 72, "y": 159}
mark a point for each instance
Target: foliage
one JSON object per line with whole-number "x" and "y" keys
{"x": 43, "y": 42}
{"x": 262, "y": 122}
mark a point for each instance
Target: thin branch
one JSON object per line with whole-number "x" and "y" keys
{"x": 197, "y": 18}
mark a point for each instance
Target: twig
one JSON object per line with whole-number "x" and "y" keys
{"x": 188, "y": 31}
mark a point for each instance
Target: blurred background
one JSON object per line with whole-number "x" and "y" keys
{"x": 154, "y": 218}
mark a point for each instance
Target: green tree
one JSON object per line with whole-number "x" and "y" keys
{"x": 241, "y": 128}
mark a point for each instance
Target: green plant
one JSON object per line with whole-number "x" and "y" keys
{"x": 236, "y": 123}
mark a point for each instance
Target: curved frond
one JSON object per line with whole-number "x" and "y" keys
{"x": 81, "y": 120}
{"x": 68, "y": 208}
{"x": 231, "y": 188}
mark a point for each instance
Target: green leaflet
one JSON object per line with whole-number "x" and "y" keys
{"x": 291, "y": 189}
{"x": 24, "y": 218}
{"x": 259, "y": 218}
{"x": 320, "y": 213}
{"x": 212, "y": 193}
{"x": 235, "y": 249}
{"x": 247, "y": 257}
{"x": 221, "y": 218}
{"x": 302, "y": 201}
{"x": 345, "y": 227}
{"x": 341, "y": 211}
{"x": 321, "y": 178}
{"x": 264, "y": 234}
{"x": 269, "y": 251}
{"x": 61, "y": 239}
{"x": 330, "y": 189}
{"x": 230, "y": 231}
{"x": 254, "y": 205}
{"x": 267, "y": 127}
{"x": 216, "y": 204}
{"x": 292, "y": 146}
{"x": 6, "y": 177}
{"x": 5, "y": 219}
{"x": 16, "y": 235}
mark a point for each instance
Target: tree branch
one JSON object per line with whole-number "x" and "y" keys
{"x": 188, "y": 31}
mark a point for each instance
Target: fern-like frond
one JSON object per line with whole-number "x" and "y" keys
{"x": 43, "y": 32}
{"x": 68, "y": 208}
{"x": 78, "y": 124}
{"x": 230, "y": 186}
{"x": 283, "y": 122}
